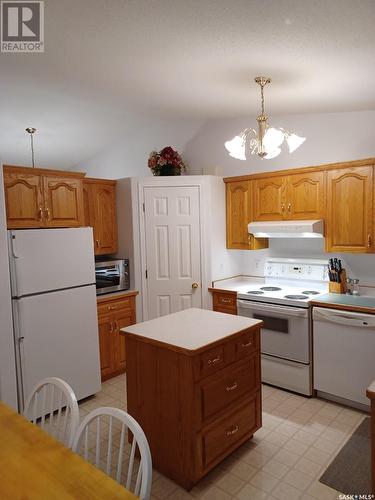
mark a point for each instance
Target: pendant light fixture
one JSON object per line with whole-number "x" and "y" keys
{"x": 266, "y": 143}
{"x": 31, "y": 131}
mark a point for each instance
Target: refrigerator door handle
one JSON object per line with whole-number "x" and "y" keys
{"x": 13, "y": 246}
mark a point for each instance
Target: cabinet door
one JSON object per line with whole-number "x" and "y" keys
{"x": 106, "y": 340}
{"x": 63, "y": 202}
{"x": 305, "y": 196}
{"x": 104, "y": 218}
{"x": 122, "y": 319}
{"x": 269, "y": 198}
{"x": 238, "y": 214}
{"x": 350, "y": 210}
{"x": 23, "y": 200}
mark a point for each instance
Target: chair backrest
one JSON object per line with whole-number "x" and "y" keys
{"x": 53, "y": 406}
{"x": 102, "y": 439}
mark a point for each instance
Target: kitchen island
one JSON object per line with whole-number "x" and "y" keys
{"x": 193, "y": 384}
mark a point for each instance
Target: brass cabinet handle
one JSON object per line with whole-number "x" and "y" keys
{"x": 40, "y": 213}
{"x": 232, "y": 431}
{"x": 213, "y": 360}
{"x": 195, "y": 285}
{"x": 111, "y": 327}
{"x": 289, "y": 207}
{"x": 116, "y": 326}
{"x": 369, "y": 240}
{"x": 248, "y": 344}
{"x": 282, "y": 207}
{"x": 97, "y": 243}
{"x": 225, "y": 301}
{"x": 47, "y": 212}
{"x": 111, "y": 308}
{"x": 231, "y": 387}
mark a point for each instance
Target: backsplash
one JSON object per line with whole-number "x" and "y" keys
{"x": 359, "y": 266}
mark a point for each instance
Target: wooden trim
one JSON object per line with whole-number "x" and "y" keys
{"x": 343, "y": 307}
{"x": 370, "y": 393}
{"x": 42, "y": 171}
{"x": 94, "y": 180}
{"x": 302, "y": 170}
{"x": 120, "y": 295}
{"x": 190, "y": 352}
{"x": 218, "y": 290}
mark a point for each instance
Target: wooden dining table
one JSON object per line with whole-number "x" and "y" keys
{"x": 35, "y": 466}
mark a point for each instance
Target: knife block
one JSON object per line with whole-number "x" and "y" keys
{"x": 338, "y": 287}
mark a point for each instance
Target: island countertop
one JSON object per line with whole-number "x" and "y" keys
{"x": 191, "y": 329}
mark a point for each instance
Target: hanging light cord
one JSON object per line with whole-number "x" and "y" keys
{"x": 32, "y": 150}
{"x": 31, "y": 131}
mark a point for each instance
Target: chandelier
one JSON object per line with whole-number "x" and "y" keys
{"x": 267, "y": 142}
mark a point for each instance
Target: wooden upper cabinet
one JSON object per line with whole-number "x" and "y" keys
{"x": 100, "y": 213}
{"x": 269, "y": 198}
{"x": 304, "y": 196}
{"x": 238, "y": 214}
{"x": 63, "y": 202}
{"x": 23, "y": 199}
{"x": 349, "y": 221}
{"x": 39, "y": 198}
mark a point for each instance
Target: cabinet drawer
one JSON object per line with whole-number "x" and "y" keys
{"x": 115, "y": 305}
{"x": 224, "y": 300}
{"x": 230, "y": 386}
{"x": 231, "y": 430}
{"x": 212, "y": 360}
{"x": 247, "y": 344}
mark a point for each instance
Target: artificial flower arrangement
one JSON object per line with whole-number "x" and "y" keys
{"x": 166, "y": 162}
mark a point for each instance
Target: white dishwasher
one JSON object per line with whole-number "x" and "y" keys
{"x": 344, "y": 354}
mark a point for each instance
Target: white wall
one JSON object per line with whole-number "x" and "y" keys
{"x": 8, "y": 391}
{"x": 128, "y": 156}
{"x": 330, "y": 137}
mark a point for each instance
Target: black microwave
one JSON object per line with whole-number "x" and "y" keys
{"x": 112, "y": 276}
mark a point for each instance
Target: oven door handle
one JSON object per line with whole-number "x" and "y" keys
{"x": 259, "y": 307}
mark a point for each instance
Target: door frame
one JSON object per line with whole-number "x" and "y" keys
{"x": 174, "y": 181}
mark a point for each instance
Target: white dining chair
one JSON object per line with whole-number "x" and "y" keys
{"x": 53, "y": 406}
{"x": 102, "y": 439}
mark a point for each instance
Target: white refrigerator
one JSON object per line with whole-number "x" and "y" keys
{"x": 54, "y": 308}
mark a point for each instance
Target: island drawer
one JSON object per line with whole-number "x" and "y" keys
{"x": 211, "y": 360}
{"x": 229, "y": 385}
{"x": 229, "y": 431}
{"x": 247, "y": 344}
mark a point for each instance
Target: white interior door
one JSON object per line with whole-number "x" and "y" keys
{"x": 173, "y": 249}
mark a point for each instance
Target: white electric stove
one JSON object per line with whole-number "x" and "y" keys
{"x": 283, "y": 304}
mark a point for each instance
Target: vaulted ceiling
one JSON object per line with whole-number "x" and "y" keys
{"x": 106, "y": 60}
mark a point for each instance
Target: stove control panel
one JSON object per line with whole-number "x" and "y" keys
{"x": 293, "y": 269}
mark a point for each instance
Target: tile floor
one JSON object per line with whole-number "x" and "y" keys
{"x": 283, "y": 461}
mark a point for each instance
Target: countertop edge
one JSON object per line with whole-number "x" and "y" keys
{"x": 344, "y": 307}
{"x": 116, "y": 295}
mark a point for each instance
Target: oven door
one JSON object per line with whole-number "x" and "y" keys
{"x": 286, "y": 330}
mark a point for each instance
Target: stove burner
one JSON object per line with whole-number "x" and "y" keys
{"x": 310, "y": 292}
{"x": 255, "y": 292}
{"x": 296, "y": 297}
{"x": 270, "y": 288}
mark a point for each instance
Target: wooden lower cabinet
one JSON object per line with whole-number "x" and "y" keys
{"x": 114, "y": 313}
{"x": 195, "y": 407}
{"x": 224, "y": 301}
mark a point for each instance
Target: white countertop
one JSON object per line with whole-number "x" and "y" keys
{"x": 191, "y": 329}
{"x": 240, "y": 284}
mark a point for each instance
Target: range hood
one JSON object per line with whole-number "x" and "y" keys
{"x": 287, "y": 229}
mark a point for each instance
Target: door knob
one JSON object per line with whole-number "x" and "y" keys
{"x": 195, "y": 285}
